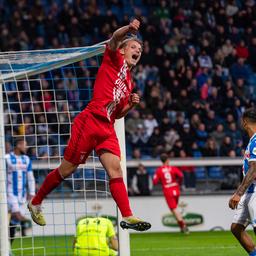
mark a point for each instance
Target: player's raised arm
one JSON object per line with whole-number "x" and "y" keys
{"x": 119, "y": 35}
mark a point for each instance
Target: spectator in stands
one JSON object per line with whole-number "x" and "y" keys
{"x": 210, "y": 148}
{"x": 142, "y": 182}
{"x": 171, "y": 137}
{"x": 150, "y": 123}
{"x": 186, "y": 135}
{"x": 234, "y": 133}
{"x": 210, "y": 121}
{"x": 239, "y": 70}
{"x": 242, "y": 50}
{"x": 242, "y": 91}
{"x": 218, "y": 134}
{"x": 201, "y": 135}
{"x": 136, "y": 154}
{"x": 226, "y": 146}
{"x": 156, "y": 142}
{"x": 139, "y": 138}
{"x": 188, "y": 172}
{"x": 133, "y": 121}
{"x": 195, "y": 151}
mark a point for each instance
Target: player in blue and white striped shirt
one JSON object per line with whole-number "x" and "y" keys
{"x": 244, "y": 199}
{"x": 19, "y": 177}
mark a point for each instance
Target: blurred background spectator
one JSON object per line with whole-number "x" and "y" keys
{"x": 195, "y": 77}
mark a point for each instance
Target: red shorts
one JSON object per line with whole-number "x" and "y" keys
{"x": 89, "y": 132}
{"x": 172, "y": 197}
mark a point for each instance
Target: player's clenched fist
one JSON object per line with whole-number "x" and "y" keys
{"x": 234, "y": 201}
{"x": 134, "y": 26}
{"x": 134, "y": 99}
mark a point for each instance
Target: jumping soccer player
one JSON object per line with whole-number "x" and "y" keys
{"x": 171, "y": 179}
{"x": 93, "y": 128}
{"x": 19, "y": 175}
{"x": 244, "y": 199}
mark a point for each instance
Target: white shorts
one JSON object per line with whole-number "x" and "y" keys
{"x": 14, "y": 205}
{"x": 245, "y": 213}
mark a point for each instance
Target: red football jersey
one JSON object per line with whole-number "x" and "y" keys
{"x": 169, "y": 176}
{"x": 112, "y": 87}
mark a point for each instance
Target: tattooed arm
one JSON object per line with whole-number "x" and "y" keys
{"x": 246, "y": 182}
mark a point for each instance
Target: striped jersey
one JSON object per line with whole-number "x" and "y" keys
{"x": 250, "y": 155}
{"x": 19, "y": 176}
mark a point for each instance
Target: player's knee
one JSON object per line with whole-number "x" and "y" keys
{"x": 66, "y": 168}
{"x": 115, "y": 172}
{"x": 235, "y": 229}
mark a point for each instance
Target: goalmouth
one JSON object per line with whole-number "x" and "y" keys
{"x": 40, "y": 94}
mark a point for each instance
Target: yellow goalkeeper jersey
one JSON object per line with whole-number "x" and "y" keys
{"x": 92, "y": 237}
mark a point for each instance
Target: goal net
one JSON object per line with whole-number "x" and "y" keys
{"x": 41, "y": 93}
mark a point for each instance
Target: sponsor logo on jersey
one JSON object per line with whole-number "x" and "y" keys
{"x": 119, "y": 91}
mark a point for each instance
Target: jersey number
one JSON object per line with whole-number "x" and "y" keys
{"x": 168, "y": 177}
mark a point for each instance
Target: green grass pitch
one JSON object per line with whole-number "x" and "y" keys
{"x": 216, "y": 243}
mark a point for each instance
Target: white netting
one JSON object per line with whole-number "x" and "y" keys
{"x": 42, "y": 93}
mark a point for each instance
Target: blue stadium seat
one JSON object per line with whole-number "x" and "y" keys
{"x": 89, "y": 174}
{"x": 200, "y": 173}
{"x": 101, "y": 175}
{"x": 215, "y": 172}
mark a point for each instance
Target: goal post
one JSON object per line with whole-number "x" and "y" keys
{"x": 124, "y": 246}
{"x": 42, "y": 92}
{"x": 4, "y": 219}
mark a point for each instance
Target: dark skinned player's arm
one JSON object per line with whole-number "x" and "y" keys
{"x": 248, "y": 179}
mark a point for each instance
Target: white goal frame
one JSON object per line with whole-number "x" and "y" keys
{"x": 123, "y": 236}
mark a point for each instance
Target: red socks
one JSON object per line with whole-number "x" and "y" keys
{"x": 117, "y": 189}
{"x": 119, "y": 193}
{"x": 52, "y": 180}
{"x": 181, "y": 224}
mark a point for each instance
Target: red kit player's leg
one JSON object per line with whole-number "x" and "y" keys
{"x": 52, "y": 180}
{"x": 118, "y": 191}
{"x": 109, "y": 153}
{"x": 79, "y": 147}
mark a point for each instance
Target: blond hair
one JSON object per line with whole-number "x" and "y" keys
{"x": 128, "y": 39}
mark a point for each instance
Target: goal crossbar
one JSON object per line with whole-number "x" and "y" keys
{"x": 20, "y": 65}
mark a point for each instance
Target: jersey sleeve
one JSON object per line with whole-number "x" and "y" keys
{"x": 112, "y": 57}
{"x": 252, "y": 150}
{"x": 111, "y": 231}
{"x": 156, "y": 177}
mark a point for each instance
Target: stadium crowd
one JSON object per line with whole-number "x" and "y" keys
{"x": 195, "y": 78}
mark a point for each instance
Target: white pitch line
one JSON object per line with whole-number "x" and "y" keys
{"x": 184, "y": 248}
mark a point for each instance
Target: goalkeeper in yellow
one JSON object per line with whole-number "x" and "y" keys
{"x": 95, "y": 237}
